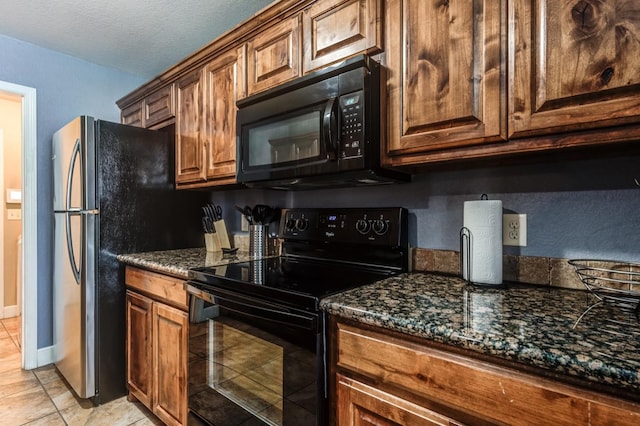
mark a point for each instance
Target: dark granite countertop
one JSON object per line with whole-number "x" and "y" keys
{"x": 178, "y": 262}
{"x": 531, "y": 325}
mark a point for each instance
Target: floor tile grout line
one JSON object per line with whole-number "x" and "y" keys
{"x": 52, "y": 401}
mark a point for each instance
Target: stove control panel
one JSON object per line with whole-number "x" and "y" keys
{"x": 369, "y": 226}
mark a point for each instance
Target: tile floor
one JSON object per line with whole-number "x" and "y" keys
{"x": 42, "y": 397}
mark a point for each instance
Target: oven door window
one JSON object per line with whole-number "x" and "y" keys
{"x": 278, "y": 143}
{"x": 243, "y": 372}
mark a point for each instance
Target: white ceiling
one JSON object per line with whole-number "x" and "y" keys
{"x": 142, "y": 37}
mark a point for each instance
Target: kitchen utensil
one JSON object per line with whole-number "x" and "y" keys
{"x": 610, "y": 280}
{"x": 207, "y": 225}
{"x": 216, "y": 211}
{"x": 229, "y": 250}
{"x": 246, "y": 212}
{"x": 262, "y": 214}
{"x": 258, "y": 240}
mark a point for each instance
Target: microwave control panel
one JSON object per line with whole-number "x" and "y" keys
{"x": 352, "y": 124}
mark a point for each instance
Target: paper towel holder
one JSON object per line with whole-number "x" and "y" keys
{"x": 466, "y": 237}
{"x": 465, "y": 245}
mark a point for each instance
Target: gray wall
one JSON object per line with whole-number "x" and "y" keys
{"x": 65, "y": 88}
{"x": 575, "y": 207}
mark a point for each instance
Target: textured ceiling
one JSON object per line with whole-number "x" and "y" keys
{"x": 143, "y": 37}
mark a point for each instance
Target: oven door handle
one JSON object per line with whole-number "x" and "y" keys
{"x": 253, "y": 308}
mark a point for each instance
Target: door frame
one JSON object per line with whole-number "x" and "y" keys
{"x": 29, "y": 222}
{"x": 2, "y": 283}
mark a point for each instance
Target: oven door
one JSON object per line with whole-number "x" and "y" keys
{"x": 253, "y": 362}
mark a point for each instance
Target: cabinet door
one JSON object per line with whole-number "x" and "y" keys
{"x": 337, "y": 29}
{"x": 189, "y": 145}
{"x": 220, "y": 95}
{"x": 132, "y": 115}
{"x": 446, "y": 66}
{"x": 170, "y": 364}
{"x": 273, "y": 56}
{"x": 159, "y": 106}
{"x": 139, "y": 347}
{"x": 360, "y": 404}
{"x": 574, "y": 65}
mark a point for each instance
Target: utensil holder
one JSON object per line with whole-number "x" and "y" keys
{"x": 211, "y": 242}
{"x": 258, "y": 240}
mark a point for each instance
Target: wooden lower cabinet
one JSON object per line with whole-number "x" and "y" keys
{"x": 360, "y": 404}
{"x": 157, "y": 332}
{"x": 382, "y": 378}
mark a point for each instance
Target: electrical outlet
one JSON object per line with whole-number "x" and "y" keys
{"x": 514, "y": 230}
{"x": 244, "y": 224}
{"x": 14, "y": 214}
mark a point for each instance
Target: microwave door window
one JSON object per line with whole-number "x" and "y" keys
{"x": 292, "y": 140}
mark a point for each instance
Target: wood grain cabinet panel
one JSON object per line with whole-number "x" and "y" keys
{"x": 360, "y": 405}
{"x": 336, "y": 29}
{"x": 139, "y": 347}
{"x": 274, "y": 55}
{"x": 222, "y": 82}
{"x": 190, "y": 160}
{"x": 170, "y": 333}
{"x": 157, "y": 344}
{"x": 574, "y": 65}
{"x": 458, "y": 384}
{"x": 132, "y": 115}
{"x": 159, "y": 106}
{"x": 446, "y": 64}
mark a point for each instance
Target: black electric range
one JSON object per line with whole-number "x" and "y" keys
{"x": 324, "y": 251}
{"x": 257, "y": 336}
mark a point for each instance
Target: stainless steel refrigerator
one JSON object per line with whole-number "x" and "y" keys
{"x": 113, "y": 194}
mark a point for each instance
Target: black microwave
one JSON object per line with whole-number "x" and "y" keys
{"x": 320, "y": 130}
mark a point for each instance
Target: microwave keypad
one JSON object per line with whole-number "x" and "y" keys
{"x": 352, "y": 125}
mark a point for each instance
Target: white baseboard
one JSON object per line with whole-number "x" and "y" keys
{"x": 45, "y": 356}
{"x": 10, "y": 311}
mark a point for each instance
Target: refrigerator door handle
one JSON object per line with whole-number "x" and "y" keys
{"x": 72, "y": 257}
{"x": 75, "y": 157}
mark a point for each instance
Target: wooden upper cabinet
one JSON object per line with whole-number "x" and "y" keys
{"x": 190, "y": 162}
{"x": 159, "y": 106}
{"x": 273, "y": 56}
{"x": 575, "y": 65}
{"x": 155, "y": 108}
{"x": 223, "y": 81}
{"x": 446, "y": 65}
{"x": 132, "y": 115}
{"x": 337, "y": 29}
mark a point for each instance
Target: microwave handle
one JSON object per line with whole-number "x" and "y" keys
{"x": 330, "y": 128}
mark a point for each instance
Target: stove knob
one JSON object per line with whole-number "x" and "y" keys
{"x": 302, "y": 224}
{"x": 380, "y": 227}
{"x": 363, "y": 226}
{"x": 291, "y": 224}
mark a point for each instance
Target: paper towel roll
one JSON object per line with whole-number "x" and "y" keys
{"x": 483, "y": 219}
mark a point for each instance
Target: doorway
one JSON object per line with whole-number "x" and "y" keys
{"x": 28, "y": 271}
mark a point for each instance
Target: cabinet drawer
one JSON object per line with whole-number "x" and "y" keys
{"x": 476, "y": 387}
{"x": 160, "y": 287}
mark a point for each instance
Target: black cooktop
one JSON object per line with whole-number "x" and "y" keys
{"x": 296, "y": 282}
